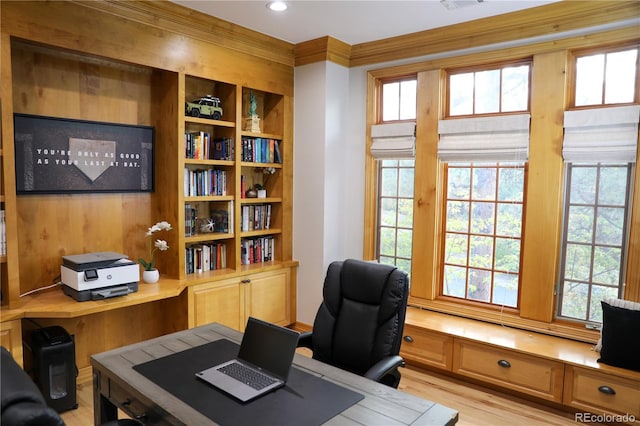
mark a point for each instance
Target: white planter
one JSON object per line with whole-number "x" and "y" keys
{"x": 262, "y": 193}
{"x": 151, "y": 276}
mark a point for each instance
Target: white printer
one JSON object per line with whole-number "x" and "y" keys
{"x": 100, "y": 275}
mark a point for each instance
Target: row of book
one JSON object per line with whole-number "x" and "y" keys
{"x": 3, "y": 234}
{"x": 200, "y": 146}
{"x": 261, "y": 150}
{"x": 257, "y": 250}
{"x": 205, "y": 257}
{"x": 256, "y": 217}
{"x": 218, "y": 221}
{"x": 204, "y": 182}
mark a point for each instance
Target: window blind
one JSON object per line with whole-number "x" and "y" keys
{"x": 393, "y": 140}
{"x": 498, "y": 138}
{"x": 601, "y": 134}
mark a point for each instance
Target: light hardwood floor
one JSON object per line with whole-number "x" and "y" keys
{"x": 476, "y": 405}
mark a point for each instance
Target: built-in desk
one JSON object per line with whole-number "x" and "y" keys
{"x": 118, "y": 385}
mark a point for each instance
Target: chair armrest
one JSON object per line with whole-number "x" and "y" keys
{"x": 305, "y": 340}
{"x": 383, "y": 367}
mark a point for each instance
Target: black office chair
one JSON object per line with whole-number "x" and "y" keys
{"x": 359, "y": 324}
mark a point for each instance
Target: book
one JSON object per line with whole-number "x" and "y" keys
{"x": 276, "y": 151}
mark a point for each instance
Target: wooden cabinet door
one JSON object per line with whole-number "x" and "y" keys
{"x": 221, "y": 302}
{"x": 601, "y": 392}
{"x": 11, "y": 338}
{"x": 268, "y": 297}
{"x": 521, "y": 372}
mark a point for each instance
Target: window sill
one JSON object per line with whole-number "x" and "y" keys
{"x": 565, "y": 330}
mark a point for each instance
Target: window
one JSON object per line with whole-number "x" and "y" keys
{"x": 395, "y": 215}
{"x": 484, "y": 183}
{"x": 594, "y": 238}
{"x": 457, "y": 145}
{"x": 483, "y": 228}
{"x": 399, "y": 100}
{"x": 395, "y": 182}
{"x": 606, "y": 78}
{"x": 503, "y": 89}
{"x": 599, "y": 149}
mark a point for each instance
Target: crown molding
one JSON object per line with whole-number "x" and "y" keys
{"x": 539, "y": 21}
{"x": 172, "y": 17}
{"x": 322, "y": 49}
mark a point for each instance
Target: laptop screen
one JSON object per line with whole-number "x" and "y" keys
{"x": 268, "y": 347}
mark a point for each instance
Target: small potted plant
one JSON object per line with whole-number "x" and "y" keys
{"x": 150, "y": 273}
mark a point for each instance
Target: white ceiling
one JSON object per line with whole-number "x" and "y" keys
{"x": 353, "y": 21}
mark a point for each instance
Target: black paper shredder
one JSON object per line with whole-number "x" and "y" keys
{"x": 54, "y": 366}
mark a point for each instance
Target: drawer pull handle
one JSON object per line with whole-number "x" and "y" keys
{"x": 127, "y": 404}
{"x": 408, "y": 339}
{"x": 504, "y": 363}
{"x": 606, "y": 389}
{"x": 246, "y": 281}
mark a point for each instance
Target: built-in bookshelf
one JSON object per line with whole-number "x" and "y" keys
{"x": 232, "y": 169}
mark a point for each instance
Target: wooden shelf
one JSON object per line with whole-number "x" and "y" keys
{"x": 223, "y": 163}
{"x": 261, "y": 165}
{"x": 209, "y": 122}
{"x": 260, "y": 200}
{"x": 213, "y": 236}
{"x": 209, "y": 198}
{"x": 260, "y": 232}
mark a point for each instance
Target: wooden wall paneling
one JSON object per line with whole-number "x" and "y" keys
{"x": 170, "y": 16}
{"x": 427, "y": 194}
{"x": 102, "y": 331}
{"x": 132, "y": 40}
{"x": 543, "y": 210}
{"x": 10, "y": 272}
{"x": 44, "y": 81}
{"x": 286, "y": 174}
{"x": 168, "y": 107}
{"x": 11, "y": 338}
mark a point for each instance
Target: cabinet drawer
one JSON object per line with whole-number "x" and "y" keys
{"x": 427, "y": 347}
{"x": 528, "y": 374}
{"x": 123, "y": 400}
{"x": 598, "y": 391}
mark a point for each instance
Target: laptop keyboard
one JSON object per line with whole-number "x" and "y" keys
{"x": 246, "y": 375}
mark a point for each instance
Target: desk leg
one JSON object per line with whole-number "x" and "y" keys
{"x": 103, "y": 409}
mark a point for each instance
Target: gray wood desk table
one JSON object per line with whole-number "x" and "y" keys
{"x": 118, "y": 385}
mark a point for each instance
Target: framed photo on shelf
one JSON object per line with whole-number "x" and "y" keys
{"x": 59, "y": 155}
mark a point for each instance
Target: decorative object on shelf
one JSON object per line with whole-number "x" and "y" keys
{"x": 150, "y": 276}
{"x": 206, "y": 106}
{"x": 60, "y": 155}
{"x": 261, "y": 188}
{"x": 207, "y": 225}
{"x": 154, "y": 245}
{"x": 260, "y": 191}
{"x": 251, "y": 193}
{"x": 252, "y": 122}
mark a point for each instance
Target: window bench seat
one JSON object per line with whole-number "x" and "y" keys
{"x": 550, "y": 369}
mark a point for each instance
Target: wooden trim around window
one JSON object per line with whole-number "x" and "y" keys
{"x": 551, "y": 86}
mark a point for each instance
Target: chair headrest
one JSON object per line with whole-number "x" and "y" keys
{"x": 355, "y": 273}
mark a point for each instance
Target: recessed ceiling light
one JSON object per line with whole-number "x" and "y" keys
{"x": 277, "y": 6}
{"x": 456, "y": 4}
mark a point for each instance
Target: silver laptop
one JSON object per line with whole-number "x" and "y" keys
{"x": 262, "y": 364}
